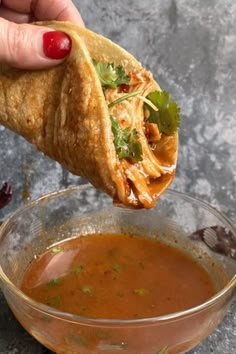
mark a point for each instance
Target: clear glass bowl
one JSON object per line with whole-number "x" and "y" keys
{"x": 84, "y": 210}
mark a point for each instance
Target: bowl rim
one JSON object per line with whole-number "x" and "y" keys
{"x": 47, "y": 310}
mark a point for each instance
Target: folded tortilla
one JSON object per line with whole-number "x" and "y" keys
{"x": 64, "y": 112}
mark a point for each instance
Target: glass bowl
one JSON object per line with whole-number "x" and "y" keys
{"x": 83, "y": 211}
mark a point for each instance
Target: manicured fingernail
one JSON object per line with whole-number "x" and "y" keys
{"x": 56, "y": 45}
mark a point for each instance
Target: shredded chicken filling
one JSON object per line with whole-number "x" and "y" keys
{"x": 134, "y": 178}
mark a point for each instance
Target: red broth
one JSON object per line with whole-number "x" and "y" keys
{"x": 117, "y": 276}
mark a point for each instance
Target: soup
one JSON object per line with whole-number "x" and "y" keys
{"x": 117, "y": 276}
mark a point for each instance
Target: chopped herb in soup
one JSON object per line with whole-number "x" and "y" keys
{"x": 117, "y": 276}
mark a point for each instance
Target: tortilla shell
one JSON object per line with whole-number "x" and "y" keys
{"x": 62, "y": 110}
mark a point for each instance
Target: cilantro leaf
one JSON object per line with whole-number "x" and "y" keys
{"x": 78, "y": 338}
{"x": 109, "y": 75}
{"x": 78, "y": 268}
{"x": 126, "y": 141}
{"x": 86, "y": 289}
{"x": 117, "y": 268}
{"x": 55, "y": 301}
{"x": 57, "y": 249}
{"x": 168, "y": 115}
{"x": 54, "y": 281}
{"x": 141, "y": 291}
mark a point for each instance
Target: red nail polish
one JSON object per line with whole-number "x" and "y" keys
{"x": 56, "y": 45}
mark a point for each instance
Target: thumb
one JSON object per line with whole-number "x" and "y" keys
{"x": 32, "y": 47}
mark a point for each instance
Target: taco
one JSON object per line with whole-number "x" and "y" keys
{"x": 100, "y": 114}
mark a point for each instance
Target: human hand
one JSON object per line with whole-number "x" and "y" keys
{"x": 27, "y": 46}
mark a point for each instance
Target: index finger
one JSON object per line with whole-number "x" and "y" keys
{"x": 61, "y": 10}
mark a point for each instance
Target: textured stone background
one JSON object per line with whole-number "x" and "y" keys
{"x": 190, "y": 46}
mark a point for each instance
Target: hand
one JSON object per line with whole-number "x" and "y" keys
{"x": 27, "y": 46}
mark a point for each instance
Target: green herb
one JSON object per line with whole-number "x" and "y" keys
{"x": 78, "y": 338}
{"x": 46, "y": 318}
{"x": 110, "y": 75}
{"x": 126, "y": 142}
{"x": 162, "y": 351}
{"x": 57, "y": 249}
{"x": 112, "y": 252}
{"x": 124, "y": 98}
{"x": 141, "y": 291}
{"x": 78, "y": 268}
{"x": 86, "y": 289}
{"x": 128, "y": 257}
{"x": 168, "y": 115}
{"x": 117, "y": 268}
{"x": 55, "y": 301}
{"x": 54, "y": 281}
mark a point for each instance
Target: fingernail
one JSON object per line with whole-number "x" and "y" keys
{"x": 56, "y": 45}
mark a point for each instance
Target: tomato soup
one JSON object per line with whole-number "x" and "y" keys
{"x": 117, "y": 276}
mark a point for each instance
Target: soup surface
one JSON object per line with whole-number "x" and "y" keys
{"x": 117, "y": 276}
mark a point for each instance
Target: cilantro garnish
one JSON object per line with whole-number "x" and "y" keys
{"x": 117, "y": 268}
{"x": 86, "y": 289}
{"x": 167, "y": 117}
{"x": 112, "y": 252}
{"x": 54, "y": 281}
{"x": 55, "y": 301}
{"x": 110, "y": 75}
{"x": 78, "y": 338}
{"x": 141, "y": 291}
{"x": 78, "y": 268}
{"x": 57, "y": 249}
{"x": 126, "y": 141}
